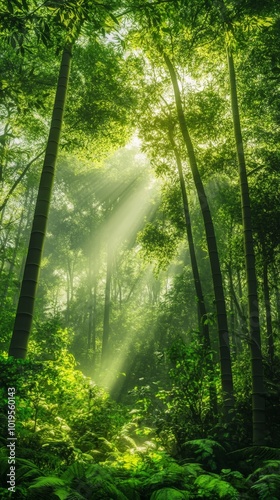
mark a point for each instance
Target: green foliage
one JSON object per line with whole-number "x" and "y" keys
{"x": 47, "y": 432}
{"x": 250, "y": 459}
{"x": 74, "y": 441}
{"x": 268, "y": 467}
{"x": 235, "y": 478}
{"x": 80, "y": 481}
{"x": 267, "y": 487}
{"x": 173, "y": 475}
{"x": 26, "y": 471}
{"x": 188, "y": 400}
{"x": 100, "y": 100}
{"x": 177, "y": 310}
{"x": 169, "y": 494}
{"x": 211, "y": 486}
{"x": 209, "y": 453}
{"x": 159, "y": 242}
{"x": 66, "y": 445}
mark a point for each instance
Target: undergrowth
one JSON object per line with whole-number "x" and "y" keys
{"x": 75, "y": 443}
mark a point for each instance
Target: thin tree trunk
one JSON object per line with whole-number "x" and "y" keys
{"x": 20, "y": 177}
{"x": 90, "y": 320}
{"x": 13, "y": 259}
{"x": 5, "y": 143}
{"x": 258, "y": 393}
{"x": 107, "y": 308}
{"x": 197, "y": 282}
{"x": 224, "y": 347}
{"x": 26, "y": 236}
{"x": 70, "y": 287}
{"x": 235, "y": 300}
{"x": 275, "y": 272}
{"x": 94, "y": 316}
{"x": 269, "y": 331}
{"x": 4, "y": 245}
{"x": 25, "y": 309}
{"x": 203, "y": 326}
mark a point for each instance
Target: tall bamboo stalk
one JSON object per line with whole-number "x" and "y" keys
{"x": 203, "y": 326}
{"x": 258, "y": 389}
{"x": 223, "y": 334}
{"x": 25, "y": 308}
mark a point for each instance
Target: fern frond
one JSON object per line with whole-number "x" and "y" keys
{"x": 268, "y": 487}
{"x": 268, "y": 467}
{"x": 211, "y": 486}
{"x": 130, "y": 488}
{"x": 47, "y": 482}
{"x": 174, "y": 475}
{"x": 170, "y": 494}
{"x": 235, "y": 478}
{"x": 95, "y": 470}
{"x": 64, "y": 494}
{"x": 73, "y": 495}
{"x": 193, "y": 469}
{"x": 102, "y": 490}
{"x": 27, "y": 469}
{"x": 251, "y": 458}
{"x": 76, "y": 470}
{"x": 208, "y": 452}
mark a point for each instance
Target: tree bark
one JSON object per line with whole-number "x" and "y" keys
{"x": 258, "y": 393}
{"x": 197, "y": 282}
{"x": 267, "y": 304}
{"x": 25, "y": 309}
{"x": 223, "y": 334}
{"x": 203, "y": 325}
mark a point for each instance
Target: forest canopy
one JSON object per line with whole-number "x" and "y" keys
{"x": 139, "y": 249}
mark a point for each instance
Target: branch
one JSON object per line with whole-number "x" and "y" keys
{"x": 19, "y": 179}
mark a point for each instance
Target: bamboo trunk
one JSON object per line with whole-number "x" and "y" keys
{"x": 25, "y": 309}
{"x": 223, "y": 334}
{"x": 258, "y": 392}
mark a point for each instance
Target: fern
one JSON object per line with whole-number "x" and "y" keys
{"x": 76, "y": 470}
{"x": 130, "y": 488}
{"x": 47, "y": 482}
{"x": 235, "y": 478}
{"x": 193, "y": 470}
{"x": 268, "y": 467}
{"x": 73, "y": 495}
{"x": 267, "y": 487}
{"x": 27, "y": 470}
{"x": 170, "y": 494}
{"x": 211, "y": 486}
{"x": 79, "y": 482}
{"x": 249, "y": 459}
{"x": 209, "y": 453}
{"x": 173, "y": 476}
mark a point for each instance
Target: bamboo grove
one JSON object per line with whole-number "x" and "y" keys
{"x": 139, "y": 244}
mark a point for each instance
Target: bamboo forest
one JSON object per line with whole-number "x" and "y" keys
{"x": 140, "y": 249}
